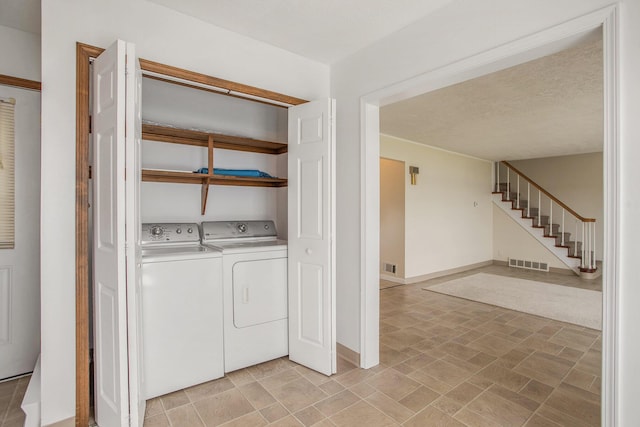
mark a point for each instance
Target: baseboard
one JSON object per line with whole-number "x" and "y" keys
{"x": 437, "y": 274}
{"x": 348, "y": 354}
{"x": 69, "y": 422}
{"x": 393, "y": 279}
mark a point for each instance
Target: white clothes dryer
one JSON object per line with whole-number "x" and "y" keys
{"x": 181, "y": 309}
{"x": 254, "y": 271}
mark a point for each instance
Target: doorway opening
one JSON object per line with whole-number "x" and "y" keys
{"x": 545, "y": 43}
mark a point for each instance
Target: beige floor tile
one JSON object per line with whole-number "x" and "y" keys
{"x": 362, "y": 390}
{"x": 223, "y": 407}
{"x": 309, "y": 416}
{"x": 431, "y": 382}
{"x": 159, "y": 420}
{"x": 336, "y": 403}
{"x": 499, "y": 374}
{"x": 173, "y": 400}
{"x": 573, "y": 338}
{"x": 185, "y": 415}
{"x": 393, "y": 384}
{"x": 268, "y": 368}
{"x": 513, "y": 397}
{"x": 253, "y": 419}
{"x": 447, "y": 405}
{"x": 579, "y": 379}
{"x": 362, "y": 414}
{"x": 499, "y": 410}
{"x": 472, "y": 419}
{"x": 431, "y": 416}
{"x": 278, "y": 380}
{"x": 419, "y": 398}
{"x": 544, "y": 368}
{"x": 539, "y": 421}
{"x": 446, "y": 372}
{"x": 464, "y": 393}
{"x": 288, "y": 421}
{"x": 331, "y": 387}
{"x": 240, "y": 377}
{"x": 257, "y": 395}
{"x": 207, "y": 389}
{"x": 274, "y": 412}
{"x": 561, "y": 418}
{"x": 298, "y": 394}
{"x": 154, "y": 407}
{"x": 536, "y": 390}
{"x": 577, "y": 403}
{"x": 315, "y": 378}
{"x": 390, "y": 407}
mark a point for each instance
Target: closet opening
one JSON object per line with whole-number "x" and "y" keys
{"x": 164, "y": 138}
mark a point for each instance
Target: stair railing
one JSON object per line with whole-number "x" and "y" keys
{"x": 504, "y": 176}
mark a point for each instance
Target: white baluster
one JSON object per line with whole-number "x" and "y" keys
{"x": 497, "y": 176}
{"x": 508, "y": 186}
{"x": 539, "y": 206}
{"x": 595, "y": 262}
{"x": 528, "y": 200}
{"x": 584, "y": 245}
{"x": 575, "y": 239}
{"x": 518, "y": 191}
{"x": 551, "y": 217}
{"x": 562, "y": 235}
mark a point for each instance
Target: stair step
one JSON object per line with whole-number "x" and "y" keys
{"x": 567, "y": 237}
{"x": 544, "y": 220}
{"x": 555, "y": 228}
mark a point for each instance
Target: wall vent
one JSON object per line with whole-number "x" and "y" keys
{"x": 389, "y": 268}
{"x": 529, "y": 265}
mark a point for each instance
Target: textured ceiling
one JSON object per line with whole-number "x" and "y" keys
{"x": 21, "y": 14}
{"x": 550, "y": 106}
{"x": 323, "y": 30}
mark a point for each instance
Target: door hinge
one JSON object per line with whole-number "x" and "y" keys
{"x": 90, "y": 124}
{"x": 90, "y": 171}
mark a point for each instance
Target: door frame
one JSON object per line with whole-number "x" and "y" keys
{"x": 84, "y": 56}
{"x": 501, "y": 57}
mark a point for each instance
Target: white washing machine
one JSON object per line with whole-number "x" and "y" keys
{"x": 181, "y": 309}
{"x": 254, "y": 271}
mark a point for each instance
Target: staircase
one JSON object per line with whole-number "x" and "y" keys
{"x": 568, "y": 235}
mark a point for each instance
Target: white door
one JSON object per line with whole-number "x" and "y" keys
{"x": 114, "y": 90}
{"x": 312, "y": 304}
{"x": 20, "y": 265}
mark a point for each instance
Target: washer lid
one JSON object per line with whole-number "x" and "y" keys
{"x": 178, "y": 252}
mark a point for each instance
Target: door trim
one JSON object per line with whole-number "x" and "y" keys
{"x": 20, "y": 82}
{"x": 465, "y": 69}
{"x": 84, "y": 55}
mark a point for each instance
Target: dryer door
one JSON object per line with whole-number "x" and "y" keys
{"x": 259, "y": 291}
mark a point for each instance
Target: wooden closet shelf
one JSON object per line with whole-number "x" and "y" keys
{"x": 151, "y": 175}
{"x": 200, "y": 139}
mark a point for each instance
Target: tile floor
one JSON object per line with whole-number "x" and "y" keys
{"x": 11, "y": 394}
{"x": 445, "y": 361}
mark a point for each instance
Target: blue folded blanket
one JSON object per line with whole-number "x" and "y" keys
{"x": 236, "y": 172}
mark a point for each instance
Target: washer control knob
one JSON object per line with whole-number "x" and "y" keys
{"x": 189, "y": 230}
{"x": 266, "y": 226}
{"x": 308, "y": 251}
{"x": 242, "y": 227}
{"x": 156, "y": 231}
{"x": 179, "y": 230}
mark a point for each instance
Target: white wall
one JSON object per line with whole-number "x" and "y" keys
{"x": 577, "y": 181}
{"x": 22, "y": 53}
{"x": 392, "y": 215}
{"x": 510, "y": 240}
{"x": 461, "y": 29}
{"x": 160, "y": 35}
{"x": 196, "y": 109}
{"x": 448, "y": 214}
{"x": 629, "y": 292}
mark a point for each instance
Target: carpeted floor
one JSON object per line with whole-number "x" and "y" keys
{"x": 572, "y": 305}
